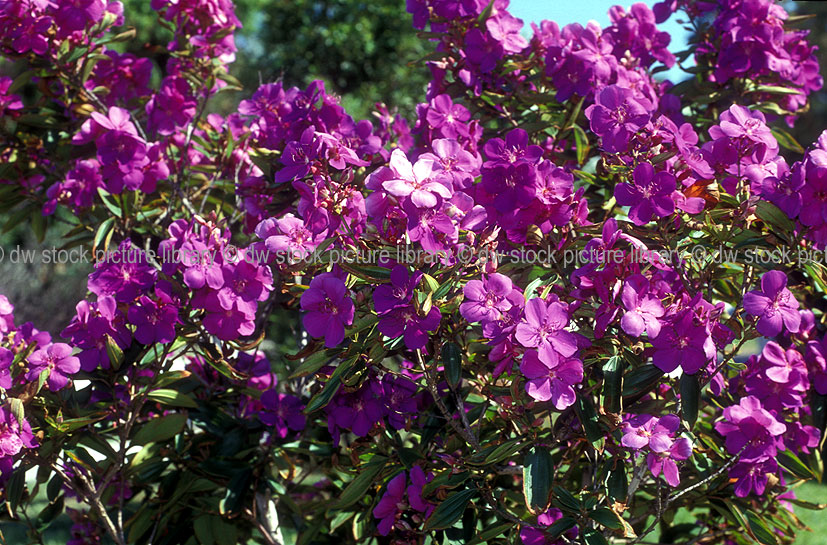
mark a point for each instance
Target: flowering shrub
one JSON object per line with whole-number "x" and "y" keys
{"x": 569, "y": 302}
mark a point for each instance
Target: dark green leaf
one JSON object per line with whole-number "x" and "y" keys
{"x": 794, "y": 464}
{"x": 357, "y": 488}
{"x": 538, "y": 470}
{"x": 607, "y": 518}
{"x": 760, "y": 530}
{"x": 612, "y": 384}
{"x": 566, "y": 500}
{"x": 593, "y": 537}
{"x": 160, "y": 429}
{"x": 452, "y": 361}
{"x": 449, "y": 511}
{"x": 690, "y": 399}
{"x": 787, "y": 141}
{"x": 773, "y": 215}
{"x": 173, "y": 398}
{"x": 50, "y": 513}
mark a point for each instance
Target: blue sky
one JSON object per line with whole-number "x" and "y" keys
{"x": 582, "y": 11}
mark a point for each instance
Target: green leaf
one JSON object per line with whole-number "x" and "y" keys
{"x": 449, "y": 511}
{"x": 560, "y": 526}
{"x": 582, "y": 141}
{"x": 54, "y": 488}
{"x": 452, "y": 361}
{"x": 114, "y": 208}
{"x": 760, "y": 530}
{"x": 566, "y": 500}
{"x": 491, "y": 533}
{"x": 321, "y": 399}
{"x": 786, "y": 140}
{"x": 690, "y": 399}
{"x": 617, "y": 485}
{"x": 114, "y": 352}
{"x": 14, "y": 488}
{"x": 357, "y": 488}
{"x": 160, "y": 429}
{"x": 593, "y": 537}
{"x": 538, "y": 469}
{"x": 224, "y": 531}
{"x": 504, "y": 451}
{"x": 313, "y": 363}
{"x": 237, "y": 489}
{"x": 17, "y": 410}
{"x": 588, "y": 418}
{"x": 49, "y": 513}
{"x": 640, "y": 382}
{"x": 794, "y": 464}
{"x": 773, "y": 215}
{"x": 612, "y": 384}
{"x": 776, "y": 90}
{"x": 172, "y": 397}
{"x": 607, "y": 518}
{"x": 203, "y": 530}
{"x": 103, "y": 230}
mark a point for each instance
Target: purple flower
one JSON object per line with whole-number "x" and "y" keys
{"x": 752, "y": 476}
{"x": 74, "y": 15}
{"x": 774, "y": 304}
{"x": 298, "y": 156}
{"x": 645, "y": 430}
{"x": 682, "y": 342}
{"x": 401, "y": 402}
{"x": 405, "y": 320}
{"x": 642, "y": 309}
{"x": 651, "y": 194}
{"x": 282, "y": 411}
{"x": 6, "y": 359}
{"x": 487, "y": 299}
{"x": 544, "y": 326}
{"x": 358, "y": 412}
{"x": 398, "y": 293}
{"x": 615, "y": 116}
{"x": 154, "y": 321}
{"x": 124, "y": 274}
{"x": 431, "y": 227}
{"x": 514, "y": 186}
{"x": 750, "y": 427}
{"x": 784, "y": 366}
{"x": 90, "y": 329}
{"x": 514, "y": 149}
{"x": 414, "y": 490}
{"x": 458, "y": 164}
{"x": 329, "y": 309}
{"x": 6, "y": 315}
{"x": 740, "y": 122}
{"x": 173, "y": 107}
{"x": 535, "y": 536}
{"x": 482, "y": 50}
{"x": 551, "y": 377}
{"x": 448, "y": 117}
{"x": 665, "y": 461}
{"x": 58, "y": 360}
{"x": 245, "y": 283}
{"x": 416, "y": 181}
{"x": 227, "y": 323}
{"x": 816, "y": 358}
{"x": 505, "y": 28}
{"x": 388, "y": 507}
{"x": 14, "y": 435}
